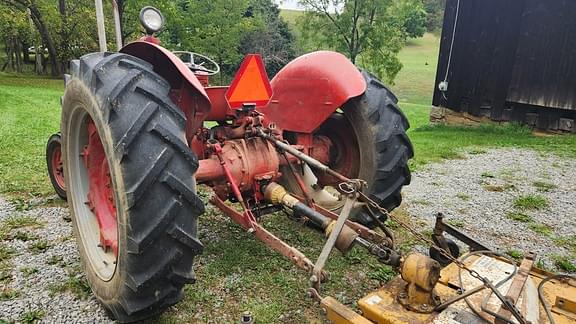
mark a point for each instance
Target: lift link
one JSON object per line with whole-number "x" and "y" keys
{"x": 319, "y": 265}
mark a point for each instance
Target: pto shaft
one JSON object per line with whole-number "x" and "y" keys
{"x": 277, "y": 195}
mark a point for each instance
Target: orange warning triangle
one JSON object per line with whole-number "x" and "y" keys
{"x": 250, "y": 85}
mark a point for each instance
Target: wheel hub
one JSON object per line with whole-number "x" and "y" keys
{"x": 57, "y": 167}
{"x": 100, "y": 195}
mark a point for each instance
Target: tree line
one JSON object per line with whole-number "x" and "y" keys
{"x": 47, "y": 34}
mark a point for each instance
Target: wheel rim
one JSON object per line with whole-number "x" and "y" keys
{"x": 344, "y": 154}
{"x": 92, "y": 194}
{"x": 337, "y": 141}
{"x": 57, "y": 167}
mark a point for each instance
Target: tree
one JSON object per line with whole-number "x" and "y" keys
{"x": 41, "y": 26}
{"x": 215, "y": 28}
{"x": 74, "y": 28}
{"x": 369, "y": 32}
{"x": 274, "y": 42}
{"x": 434, "y": 14}
{"x": 15, "y": 34}
{"x": 413, "y": 16}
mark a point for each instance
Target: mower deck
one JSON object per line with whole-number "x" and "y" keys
{"x": 383, "y": 306}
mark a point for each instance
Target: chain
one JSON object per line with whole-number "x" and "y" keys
{"x": 473, "y": 273}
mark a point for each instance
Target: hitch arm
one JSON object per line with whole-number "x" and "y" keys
{"x": 294, "y": 255}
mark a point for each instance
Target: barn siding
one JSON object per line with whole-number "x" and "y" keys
{"x": 512, "y": 60}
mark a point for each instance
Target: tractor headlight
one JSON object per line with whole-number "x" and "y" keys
{"x": 151, "y": 19}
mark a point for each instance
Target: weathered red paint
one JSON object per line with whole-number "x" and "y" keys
{"x": 57, "y": 167}
{"x": 150, "y": 39}
{"x": 100, "y": 194}
{"x": 246, "y": 159}
{"x": 166, "y": 64}
{"x": 247, "y": 218}
{"x": 320, "y": 150}
{"x": 310, "y": 88}
{"x": 220, "y": 109}
{"x": 334, "y": 143}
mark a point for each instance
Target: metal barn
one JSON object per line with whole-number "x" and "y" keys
{"x": 504, "y": 61}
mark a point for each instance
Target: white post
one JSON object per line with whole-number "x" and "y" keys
{"x": 117, "y": 26}
{"x": 100, "y": 23}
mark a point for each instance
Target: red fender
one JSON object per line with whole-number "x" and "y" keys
{"x": 187, "y": 92}
{"x": 310, "y": 88}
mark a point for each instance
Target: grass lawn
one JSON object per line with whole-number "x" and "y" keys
{"x": 415, "y": 82}
{"x": 290, "y": 16}
{"x": 29, "y": 114}
{"x": 235, "y": 273}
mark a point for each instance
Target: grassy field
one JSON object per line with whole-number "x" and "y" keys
{"x": 29, "y": 113}
{"x": 290, "y": 16}
{"x": 415, "y": 82}
{"x": 235, "y": 273}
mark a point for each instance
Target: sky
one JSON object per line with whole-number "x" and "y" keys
{"x": 288, "y": 4}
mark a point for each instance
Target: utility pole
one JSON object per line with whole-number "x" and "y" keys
{"x": 100, "y": 23}
{"x": 117, "y": 26}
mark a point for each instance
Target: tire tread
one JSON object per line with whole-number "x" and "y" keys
{"x": 148, "y": 134}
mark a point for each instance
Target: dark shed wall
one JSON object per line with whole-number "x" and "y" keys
{"x": 511, "y": 60}
{"x": 545, "y": 68}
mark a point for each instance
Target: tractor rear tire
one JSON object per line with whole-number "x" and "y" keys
{"x": 151, "y": 172}
{"x": 369, "y": 142}
{"x": 385, "y": 148}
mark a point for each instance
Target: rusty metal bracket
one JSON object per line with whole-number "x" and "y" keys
{"x": 441, "y": 227}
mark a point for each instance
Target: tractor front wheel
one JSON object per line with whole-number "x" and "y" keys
{"x": 55, "y": 164}
{"x": 131, "y": 187}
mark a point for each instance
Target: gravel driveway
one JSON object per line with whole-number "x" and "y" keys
{"x": 39, "y": 265}
{"x": 42, "y": 271}
{"x": 510, "y": 200}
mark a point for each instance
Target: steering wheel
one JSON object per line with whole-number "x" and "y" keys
{"x": 198, "y": 62}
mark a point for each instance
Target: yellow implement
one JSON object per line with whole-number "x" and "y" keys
{"x": 409, "y": 298}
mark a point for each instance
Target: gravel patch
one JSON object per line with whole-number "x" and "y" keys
{"x": 478, "y": 194}
{"x": 36, "y": 275}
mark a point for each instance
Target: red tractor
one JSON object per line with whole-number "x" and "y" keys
{"x": 141, "y": 128}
